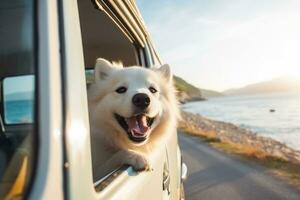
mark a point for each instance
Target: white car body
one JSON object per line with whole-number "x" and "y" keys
{"x": 63, "y": 165}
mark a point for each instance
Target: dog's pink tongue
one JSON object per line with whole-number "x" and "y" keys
{"x": 142, "y": 121}
{"x": 138, "y": 124}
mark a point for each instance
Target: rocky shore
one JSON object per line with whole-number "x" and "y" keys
{"x": 230, "y": 133}
{"x": 185, "y": 98}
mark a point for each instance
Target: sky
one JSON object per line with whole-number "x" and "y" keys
{"x": 222, "y": 44}
{"x": 17, "y": 84}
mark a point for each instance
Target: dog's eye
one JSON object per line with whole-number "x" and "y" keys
{"x": 121, "y": 90}
{"x": 152, "y": 89}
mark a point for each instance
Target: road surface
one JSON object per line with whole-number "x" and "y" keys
{"x": 214, "y": 175}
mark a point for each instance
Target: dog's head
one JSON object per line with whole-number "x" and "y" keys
{"x": 130, "y": 103}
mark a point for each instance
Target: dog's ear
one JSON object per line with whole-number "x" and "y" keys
{"x": 165, "y": 71}
{"x": 103, "y": 68}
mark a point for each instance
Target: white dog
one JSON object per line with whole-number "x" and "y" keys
{"x": 131, "y": 109}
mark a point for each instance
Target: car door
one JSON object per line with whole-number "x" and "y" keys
{"x": 77, "y": 55}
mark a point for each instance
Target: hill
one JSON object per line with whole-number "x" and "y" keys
{"x": 183, "y": 86}
{"x": 189, "y": 92}
{"x": 210, "y": 93}
{"x": 281, "y": 84}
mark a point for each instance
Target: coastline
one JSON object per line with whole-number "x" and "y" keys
{"x": 278, "y": 157}
{"x": 228, "y": 132}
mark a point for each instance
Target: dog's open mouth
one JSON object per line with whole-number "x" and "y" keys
{"x": 137, "y": 127}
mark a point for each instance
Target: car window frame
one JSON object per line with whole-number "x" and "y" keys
{"x": 72, "y": 65}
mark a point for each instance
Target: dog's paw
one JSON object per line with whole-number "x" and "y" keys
{"x": 138, "y": 161}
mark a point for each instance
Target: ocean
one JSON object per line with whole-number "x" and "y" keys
{"x": 253, "y": 112}
{"x": 18, "y": 111}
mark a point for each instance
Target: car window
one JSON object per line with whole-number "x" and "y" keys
{"x": 17, "y": 100}
{"x": 102, "y": 38}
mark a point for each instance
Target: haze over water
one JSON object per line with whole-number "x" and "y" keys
{"x": 253, "y": 112}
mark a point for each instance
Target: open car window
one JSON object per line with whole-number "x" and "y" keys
{"x": 102, "y": 38}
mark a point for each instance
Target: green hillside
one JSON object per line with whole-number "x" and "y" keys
{"x": 188, "y": 92}
{"x": 210, "y": 93}
{"x": 183, "y": 86}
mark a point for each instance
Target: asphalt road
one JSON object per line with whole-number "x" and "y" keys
{"x": 214, "y": 175}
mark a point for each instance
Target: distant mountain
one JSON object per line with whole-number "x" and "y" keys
{"x": 210, "y": 93}
{"x": 19, "y": 96}
{"x": 281, "y": 84}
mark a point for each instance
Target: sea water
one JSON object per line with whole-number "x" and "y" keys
{"x": 255, "y": 113}
{"x": 18, "y": 112}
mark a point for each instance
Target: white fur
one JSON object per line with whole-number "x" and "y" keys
{"x": 111, "y": 146}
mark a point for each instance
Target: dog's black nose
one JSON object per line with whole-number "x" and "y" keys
{"x": 141, "y": 100}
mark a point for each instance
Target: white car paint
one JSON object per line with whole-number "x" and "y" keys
{"x": 64, "y": 169}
